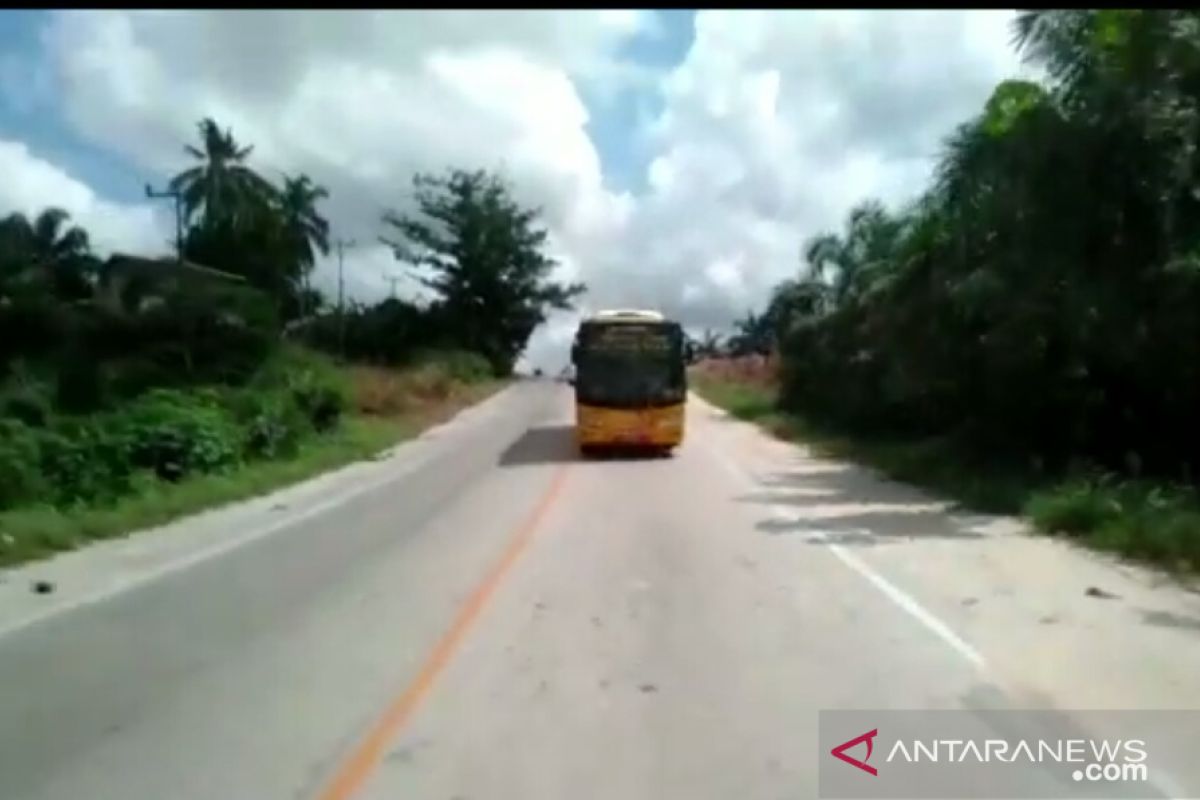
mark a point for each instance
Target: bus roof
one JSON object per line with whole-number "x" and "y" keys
{"x": 626, "y": 315}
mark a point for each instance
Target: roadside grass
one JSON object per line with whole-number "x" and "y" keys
{"x": 36, "y": 532}
{"x": 1144, "y": 520}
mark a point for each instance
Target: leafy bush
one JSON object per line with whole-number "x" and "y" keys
{"x": 320, "y": 401}
{"x": 85, "y": 460}
{"x": 271, "y": 423}
{"x": 175, "y": 433}
{"x": 192, "y": 336}
{"x": 1136, "y": 518}
{"x": 312, "y": 381}
{"x": 21, "y": 478}
{"x": 1076, "y": 508}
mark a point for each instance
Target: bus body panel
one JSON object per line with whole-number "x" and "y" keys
{"x": 609, "y": 410}
{"x": 658, "y": 427}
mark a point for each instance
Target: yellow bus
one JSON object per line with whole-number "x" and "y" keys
{"x": 630, "y": 381}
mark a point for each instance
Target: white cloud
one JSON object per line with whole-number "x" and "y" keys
{"x": 776, "y": 123}
{"x": 32, "y": 184}
{"x": 773, "y": 125}
{"x": 359, "y": 101}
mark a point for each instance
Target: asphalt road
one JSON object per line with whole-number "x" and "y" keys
{"x": 481, "y": 614}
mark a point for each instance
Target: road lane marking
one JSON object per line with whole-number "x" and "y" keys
{"x": 889, "y": 590}
{"x": 364, "y": 759}
{"x": 909, "y": 604}
{"x": 1163, "y": 781}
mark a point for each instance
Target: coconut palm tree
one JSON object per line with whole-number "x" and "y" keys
{"x": 305, "y": 230}
{"x": 221, "y": 189}
{"x": 46, "y": 252}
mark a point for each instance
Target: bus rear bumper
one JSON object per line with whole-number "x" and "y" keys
{"x": 652, "y": 428}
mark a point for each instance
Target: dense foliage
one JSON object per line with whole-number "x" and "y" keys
{"x": 482, "y": 255}
{"x": 1040, "y": 301}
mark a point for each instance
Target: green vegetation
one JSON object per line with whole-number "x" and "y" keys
{"x": 481, "y": 255}
{"x": 415, "y": 400}
{"x": 133, "y": 390}
{"x": 1030, "y": 322}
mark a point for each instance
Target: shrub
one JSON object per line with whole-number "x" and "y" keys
{"x": 271, "y": 423}
{"x": 320, "y": 401}
{"x": 1077, "y": 508}
{"x": 1139, "y": 519}
{"x": 175, "y": 433}
{"x": 84, "y": 461}
{"x": 311, "y": 380}
{"x": 21, "y": 478}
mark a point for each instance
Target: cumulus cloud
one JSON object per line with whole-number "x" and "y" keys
{"x": 768, "y": 130}
{"x": 32, "y": 184}
{"x": 774, "y": 125}
{"x": 360, "y": 101}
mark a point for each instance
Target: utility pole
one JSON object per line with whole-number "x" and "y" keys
{"x": 341, "y": 245}
{"x": 175, "y": 195}
{"x": 392, "y": 281}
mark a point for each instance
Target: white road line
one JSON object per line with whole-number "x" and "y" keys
{"x": 906, "y": 602}
{"x": 897, "y": 595}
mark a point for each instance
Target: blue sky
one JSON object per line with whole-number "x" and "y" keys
{"x": 29, "y": 112}
{"x": 612, "y": 126}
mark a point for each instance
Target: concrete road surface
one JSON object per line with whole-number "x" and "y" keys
{"x": 481, "y": 614}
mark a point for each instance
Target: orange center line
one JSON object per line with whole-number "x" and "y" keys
{"x": 363, "y": 760}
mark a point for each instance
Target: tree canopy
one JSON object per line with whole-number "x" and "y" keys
{"x": 1040, "y": 299}
{"x": 483, "y": 255}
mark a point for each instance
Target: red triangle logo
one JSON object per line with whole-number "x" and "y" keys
{"x": 840, "y": 751}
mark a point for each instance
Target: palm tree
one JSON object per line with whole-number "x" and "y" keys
{"x": 46, "y": 252}
{"x": 794, "y": 300}
{"x": 1061, "y": 40}
{"x": 304, "y": 227}
{"x": 850, "y": 263}
{"x": 754, "y": 335}
{"x": 221, "y": 188}
{"x": 824, "y": 255}
{"x": 303, "y": 230}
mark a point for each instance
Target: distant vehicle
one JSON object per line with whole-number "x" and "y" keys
{"x": 630, "y": 381}
{"x": 537, "y": 373}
